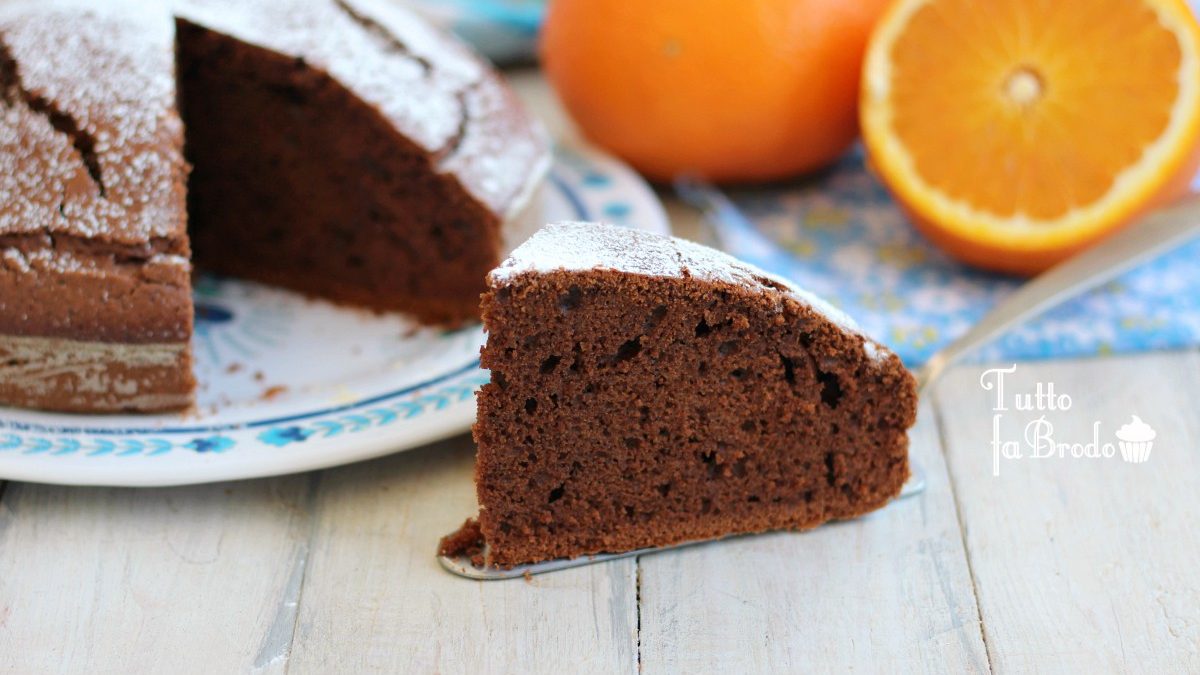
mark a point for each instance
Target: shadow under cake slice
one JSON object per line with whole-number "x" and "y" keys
{"x": 648, "y": 391}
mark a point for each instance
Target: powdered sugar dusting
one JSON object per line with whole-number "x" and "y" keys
{"x": 720, "y": 265}
{"x": 455, "y": 63}
{"x": 328, "y": 38}
{"x": 874, "y": 351}
{"x": 487, "y": 157}
{"x": 578, "y": 246}
{"x": 430, "y": 86}
{"x": 107, "y": 72}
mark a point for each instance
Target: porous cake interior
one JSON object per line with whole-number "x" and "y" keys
{"x": 297, "y": 183}
{"x": 627, "y": 411}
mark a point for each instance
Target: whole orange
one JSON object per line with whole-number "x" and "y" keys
{"x": 732, "y": 90}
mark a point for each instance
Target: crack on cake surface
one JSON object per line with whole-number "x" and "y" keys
{"x": 14, "y": 93}
{"x": 384, "y": 37}
{"x": 460, "y": 131}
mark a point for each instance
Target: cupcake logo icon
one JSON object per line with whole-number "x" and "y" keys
{"x": 1135, "y": 440}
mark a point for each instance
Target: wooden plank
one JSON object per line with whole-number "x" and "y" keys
{"x": 1084, "y": 565}
{"x": 887, "y": 592}
{"x": 375, "y": 598}
{"x": 180, "y": 580}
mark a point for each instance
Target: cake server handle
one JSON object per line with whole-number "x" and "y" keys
{"x": 1151, "y": 236}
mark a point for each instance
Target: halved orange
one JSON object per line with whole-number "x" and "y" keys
{"x": 1017, "y": 132}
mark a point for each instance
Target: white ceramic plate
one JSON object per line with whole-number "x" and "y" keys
{"x": 289, "y": 384}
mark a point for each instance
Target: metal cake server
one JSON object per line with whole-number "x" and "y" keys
{"x": 1142, "y": 241}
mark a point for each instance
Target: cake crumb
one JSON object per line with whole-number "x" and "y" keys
{"x": 234, "y": 367}
{"x": 467, "y": 541}
{"x": 259, "y": 376}
{"x": 273, "y": 392}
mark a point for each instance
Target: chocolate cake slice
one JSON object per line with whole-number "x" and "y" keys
{"x": 648, "y": 391}
{"x": 341, "y": 148}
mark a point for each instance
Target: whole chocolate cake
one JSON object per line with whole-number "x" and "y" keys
{"x": 648, "y": 391}
{"x": 338, "y": 147}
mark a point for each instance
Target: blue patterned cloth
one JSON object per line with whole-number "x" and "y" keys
{"x": 841, "y": 236}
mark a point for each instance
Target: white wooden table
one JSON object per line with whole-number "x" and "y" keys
{"x": 1056, "y": 565}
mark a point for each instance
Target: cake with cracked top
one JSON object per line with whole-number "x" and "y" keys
{"x": 648, "y": 391}
{"x": 341, "y": 148}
